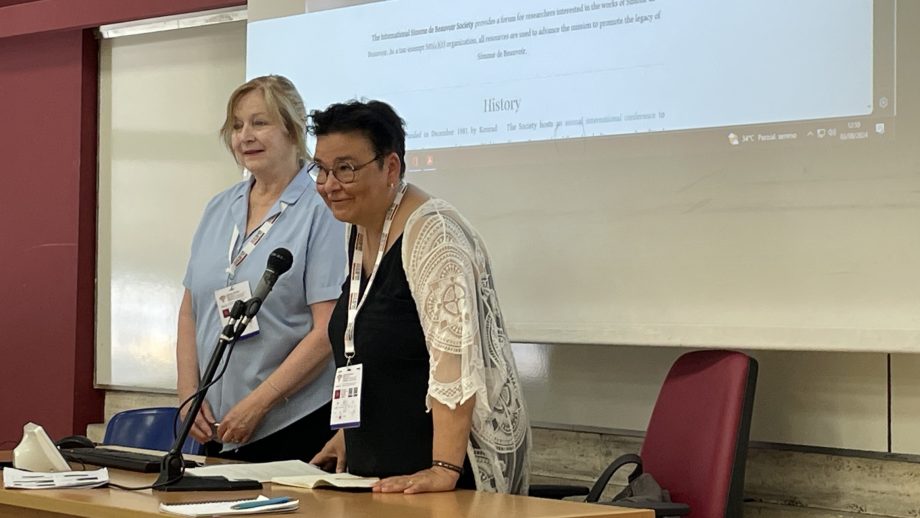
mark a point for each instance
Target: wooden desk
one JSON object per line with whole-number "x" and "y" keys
{"x": 116, "y": 503}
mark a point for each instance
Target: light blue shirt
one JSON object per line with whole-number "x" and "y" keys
{"x": 317, "y": 241}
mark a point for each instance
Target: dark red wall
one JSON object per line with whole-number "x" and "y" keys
{"x": 29, "y": 17}
{"x": 48, "y": 111}
{"x": 48, "y": 205}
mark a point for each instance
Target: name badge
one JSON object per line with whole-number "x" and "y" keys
{"x": 225, "y": 298}
{"x": 346, "y": 397}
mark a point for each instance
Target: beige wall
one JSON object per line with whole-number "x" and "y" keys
{"x": 836, "y": 400}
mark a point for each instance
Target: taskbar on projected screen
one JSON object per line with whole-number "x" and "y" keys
{"x": 828, "y": 131}
{"x": 825, "y": 132}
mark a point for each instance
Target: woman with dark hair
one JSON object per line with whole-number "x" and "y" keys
{"x": 437, "y": 404}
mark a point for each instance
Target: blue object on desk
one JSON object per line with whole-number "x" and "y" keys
{"x": 261, "y": 503}
{"x": 150, "y": 428}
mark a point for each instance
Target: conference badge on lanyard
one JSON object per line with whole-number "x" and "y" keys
{"x": 225, "y": 297}
{"x": 346, "y": 392}
{"x": 346, "y": 397}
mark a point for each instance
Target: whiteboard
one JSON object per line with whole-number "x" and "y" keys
{"x": 162, "y": 100}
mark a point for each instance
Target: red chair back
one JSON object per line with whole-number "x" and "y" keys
{"x": 697, "y": 438}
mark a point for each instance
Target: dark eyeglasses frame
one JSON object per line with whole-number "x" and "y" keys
{"x": 324, "y": 173}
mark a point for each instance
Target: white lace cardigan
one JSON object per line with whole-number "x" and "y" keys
{"x": 450, "y": 276}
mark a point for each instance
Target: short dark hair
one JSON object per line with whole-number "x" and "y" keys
{"x": 376, "y": 120}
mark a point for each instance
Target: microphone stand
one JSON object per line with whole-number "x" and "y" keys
{"x": 172, "y": 476}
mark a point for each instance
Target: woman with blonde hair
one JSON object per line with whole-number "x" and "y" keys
{"x": 273, "y": 401}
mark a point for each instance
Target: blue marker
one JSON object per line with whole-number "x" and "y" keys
{"x": 261, "y": 503}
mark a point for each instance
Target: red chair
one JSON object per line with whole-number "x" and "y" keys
{"x": 697, "y": 438}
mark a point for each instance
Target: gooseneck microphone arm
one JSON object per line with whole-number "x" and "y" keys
{"x": 172, "y": 468}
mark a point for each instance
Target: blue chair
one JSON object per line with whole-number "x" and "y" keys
{"x": 150, "y": 428}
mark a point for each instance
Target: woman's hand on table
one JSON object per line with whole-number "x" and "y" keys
{"x": 431, "y": 480}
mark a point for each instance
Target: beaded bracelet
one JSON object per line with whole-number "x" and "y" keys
{"x": 447, "y": 465}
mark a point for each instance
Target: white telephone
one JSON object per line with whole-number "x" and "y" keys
{"x": 36, "y": 452}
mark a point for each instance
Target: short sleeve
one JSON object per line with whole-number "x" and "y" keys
{"x": 324, "y": 273}
{"x": 203, "y": 225}
{"x": 439, "y": 264}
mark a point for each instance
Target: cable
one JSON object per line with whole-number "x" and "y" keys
{"x": 201, "y": 389}
{"x": 235, "y": 313}
{"x": 151, "y": 486}
{"x": 175, "y": 432}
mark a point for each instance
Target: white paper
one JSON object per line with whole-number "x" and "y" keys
{"x": 262, "y": 471}
{"x": 19, "y": 479}
{"x": 226, "y": 507}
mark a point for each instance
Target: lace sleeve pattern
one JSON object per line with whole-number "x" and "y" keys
{"x": 450, "y": 276}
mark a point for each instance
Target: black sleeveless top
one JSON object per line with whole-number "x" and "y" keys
{"x": 395, "y": 436}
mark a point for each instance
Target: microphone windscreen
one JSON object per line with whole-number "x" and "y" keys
{"x": 280, "y": 261}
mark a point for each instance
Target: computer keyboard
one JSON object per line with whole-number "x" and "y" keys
{"x": 126, "y": 460}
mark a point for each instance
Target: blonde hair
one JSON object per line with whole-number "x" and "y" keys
{"x": 284, "y": 104}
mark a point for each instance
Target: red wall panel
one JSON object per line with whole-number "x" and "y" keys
{"x": 54, "y": 15}
{"x": 48, "y": 149}
{"x": 47, "y": 202}
{"x": 88, "y": 402}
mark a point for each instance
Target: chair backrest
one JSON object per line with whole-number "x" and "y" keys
{"x": 697, "y": 438}
{"x": 150, "y": 428}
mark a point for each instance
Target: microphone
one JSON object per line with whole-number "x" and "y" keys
{"x": 172, "y": 472}
{"x": 279, "y": 262}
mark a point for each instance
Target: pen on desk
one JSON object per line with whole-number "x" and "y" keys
{"x": 260, "y": 503}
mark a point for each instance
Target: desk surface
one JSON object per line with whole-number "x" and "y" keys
{"x": 112, "y": 503}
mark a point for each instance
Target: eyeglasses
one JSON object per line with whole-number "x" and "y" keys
{"x": 344, "y": 172}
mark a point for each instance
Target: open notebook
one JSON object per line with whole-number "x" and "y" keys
{"x": 226, "y": 508}
{"x": 329, "y": 480}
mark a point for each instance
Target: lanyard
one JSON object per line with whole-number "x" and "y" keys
{"x": 354, "y": 305}
{"x": 254, "y": 239}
